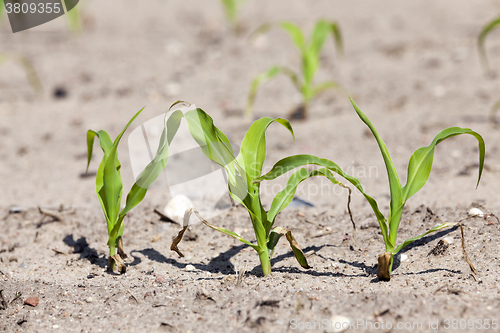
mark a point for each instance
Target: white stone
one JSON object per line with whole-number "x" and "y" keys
{"x": 338, "y": 324}
{"x": 448, "y": 240}
{"x": 476, "y": 212}
{"x": 403, "y": 257}
{"x": 176, "y": 208}
{"x": 190, "y": 268}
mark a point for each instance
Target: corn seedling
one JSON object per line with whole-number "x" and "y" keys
{"x": 310, "y": 56}
{"x": 487, "y": 29}
{"x": 28, "y": 68}
{"x": 109, "y": 187}
{"x": 419, "y": 168}
{"x": 241, "y": 172}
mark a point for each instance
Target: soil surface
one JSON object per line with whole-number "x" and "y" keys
{"x": 412, "y": 67}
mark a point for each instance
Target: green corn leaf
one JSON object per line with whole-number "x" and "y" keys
{"x": 112, "y": 188}
{"x": 310, "y": 64}
{"x": 325, "y": 86}
{"x": 318, "y": 36}
{"x": 274, "y": 237}
{"x": 411, "y": 240}
{"x": 213, "y": 143}
{"x": 285, "y": 196}
{"x": 251, "y": 159}
{"x": 106, "y": 145}
{"x": 395, "y": 185}
{"x": 292, "y": 162}
{"x": 419, "y": 167}
{"x": 156, "y": 166}
{"x": 266, "y": 76}
{"x": 482, "y": 37}
{"x": 253, "y": 147}
{"x": 337, "y": 36}
{"x": 231, "y": 9}
{"x": 311, "y": 56}
{"x": 295, "y": 34}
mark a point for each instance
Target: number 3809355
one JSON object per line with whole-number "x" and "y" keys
{"x": 32, "y": 8}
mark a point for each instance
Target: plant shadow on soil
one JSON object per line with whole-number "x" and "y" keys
{"x": 81, "y": 246}
{"x": 221, "y": 263}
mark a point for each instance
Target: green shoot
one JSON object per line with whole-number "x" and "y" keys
{"x": 242, "y": 172}
{"x": 419, "y": 169}
{"x": 487, "y": 29}
{"x": 310, "y": 54}
{"x": 109, "y": 184}
{"x": 231, "y": 8}
{"x": 28, "y": 68}
{"x": 74, "y": 19}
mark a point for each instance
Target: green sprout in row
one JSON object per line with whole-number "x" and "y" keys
{"x": 242, "y": 171}
{"x": 419, "y": 168}
{"x": 487, "y": 29}
{"x": 109, "y": 187}
{"x": 310, "y": 55}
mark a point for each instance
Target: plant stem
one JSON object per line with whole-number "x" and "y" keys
{"x": 112, "y": 252}
{"x": 265, "y": 262}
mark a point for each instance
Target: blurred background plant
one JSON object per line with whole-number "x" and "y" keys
{"x": 310, "y": 52}
{"x": 231, "y": 8}
{"x": 28, "y": 68}
{"x": 487, "y": 29}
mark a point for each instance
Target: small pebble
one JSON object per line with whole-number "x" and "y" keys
{"x": 448, "y": 240}
{"x": 403, "y": 257}
{"x": 160, "y": 279}
{"x": 190, "y": 268}
{"x": 89, "y": 300}
{"x": 476, "y": 212}
{"x": 176, "y": 208}
{"x": 338, "y": 324}
{"x": 33, "y": 301}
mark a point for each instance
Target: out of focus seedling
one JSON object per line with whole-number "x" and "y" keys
{"x": 231, "y": 8}
{"x": 310, "y": 51}
{"x": 487, "y": 29}
{"x": 28, "y": 68}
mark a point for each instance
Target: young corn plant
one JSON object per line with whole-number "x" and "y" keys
{"x": 419, "y": 168}
{"x": 487, "y": 29}
{"x": 109, "y": 187}
{"x": 241, "y": 172}
{"x": 310, "y": 55}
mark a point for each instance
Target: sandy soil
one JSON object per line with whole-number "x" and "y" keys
{"x": 412, "y": 68}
